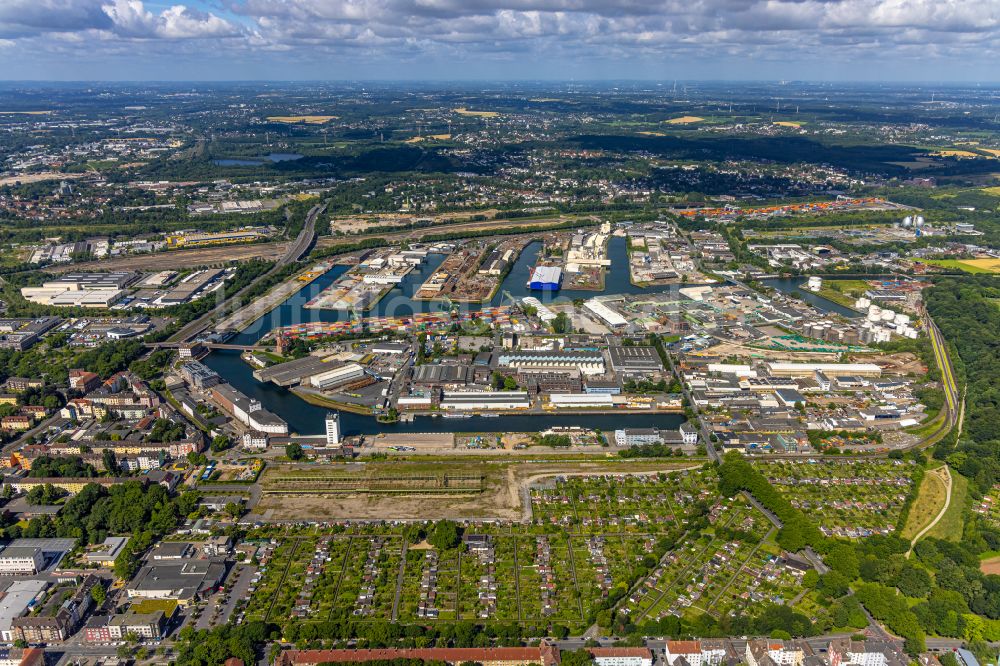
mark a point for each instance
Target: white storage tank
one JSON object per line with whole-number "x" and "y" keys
{"x": 862, "y": 303}
{"x": 888, "y": 315}
{"x": 902, "y": 319}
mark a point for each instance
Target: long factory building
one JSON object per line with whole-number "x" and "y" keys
{"x": 248, "y": 412}
{"x": 831, "y": 369}
{"x": 588, "y": 362}
{"x": 484, "y": 400}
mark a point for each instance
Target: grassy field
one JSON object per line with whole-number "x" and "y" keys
{"x": 927, "y": 505}
{"x": 950, "y": 526}
{"x": 788, "y": 123}
{"x": 844, "y": 292}
{"x": 990, "y": 266}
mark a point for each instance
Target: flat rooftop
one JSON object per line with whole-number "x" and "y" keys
{"x": 292, "y": 372}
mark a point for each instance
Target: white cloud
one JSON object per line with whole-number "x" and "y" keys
{"x": 130, "y": 18}
{"x": 522, "y": 32}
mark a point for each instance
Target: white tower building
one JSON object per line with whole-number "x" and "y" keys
{"x": 332, "y": 428}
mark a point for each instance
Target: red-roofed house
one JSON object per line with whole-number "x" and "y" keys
{"x": 82, "y": 380}
{"x": 611, "y": 656}
{"x": 546, "y": 655}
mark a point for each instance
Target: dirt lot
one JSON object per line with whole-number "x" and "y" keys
{"x": 505, "y": 488}
{"x": 990, "y": 566}
{"x": 725, "y": 349}
{"x": 26, "y": 178}
{"x": 416, "y": 234}
{"x": 217, "y": 255}
{"x": 178, "y": 258}
{"x": 903, "y": 363}
{"x": 431, "y": 440}
{"x": 351, "y": 224}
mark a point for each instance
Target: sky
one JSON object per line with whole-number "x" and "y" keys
{"x": 224, "y": 40}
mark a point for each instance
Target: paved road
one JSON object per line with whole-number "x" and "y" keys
{"x": 305, "y": 239}
{"x": 954, "y": 407}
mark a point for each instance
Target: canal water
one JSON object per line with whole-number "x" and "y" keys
{"x": 399, "y": 301}
{"x": 273, "y": 157}
{"x": 798, "y": 284}
{"x": 306, "y": 419}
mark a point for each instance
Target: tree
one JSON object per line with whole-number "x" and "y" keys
{"x": 98, "y": 594}
{"x": 810, "y": 579}
{"x": 56, "y": 466}
{"x": 913, "y": 581}
{"x": 234, "y": 510}
{"x": 562, "y": 323}
{"x": 45, "y": 494}
{"x": 110, "y": 461}
{"x": 414, "y": 533}
{"x": 833, "y": 584}
{"x": 220, "y": 443}
{"x": 444, "y": 535}
{"x": 843, "y": 558}
{"x": 580, "y": 657}
{"x": 294, "y": 451}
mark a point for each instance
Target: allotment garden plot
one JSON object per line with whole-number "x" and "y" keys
{"x": 647, "y": 546}
{"x": 571, "y": 561}
{"x": 624, "y": 503}
{"x": 727, "y": 562}
{"x": 326, "y": 577}
{"x": 846, "y": 498}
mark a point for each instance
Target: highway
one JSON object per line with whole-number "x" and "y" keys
{"x": 953, "y": 409}
{"x": 303, "y": 242}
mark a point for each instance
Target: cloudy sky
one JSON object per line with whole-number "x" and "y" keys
{"x": 500, "y": 39}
